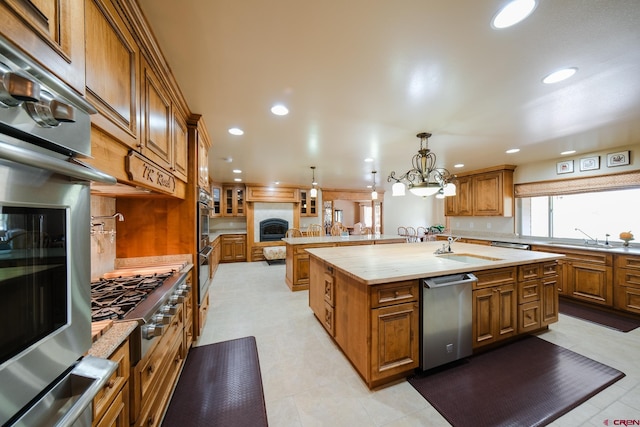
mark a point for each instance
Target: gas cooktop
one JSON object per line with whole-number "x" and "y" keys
{"x": 115, "y": 297}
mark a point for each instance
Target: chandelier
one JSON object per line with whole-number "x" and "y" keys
{"x": 424, "y": 179}
{"x": 374, "y": 193}
{"x": 314, "y": 190}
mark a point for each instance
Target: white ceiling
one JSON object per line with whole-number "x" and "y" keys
{"x": 361, "y": 78}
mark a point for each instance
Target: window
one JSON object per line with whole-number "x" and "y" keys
{"x": 591, "y": 216}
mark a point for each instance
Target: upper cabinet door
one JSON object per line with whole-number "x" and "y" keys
{"x": 112, "y": 72}
{"x": 156, "y": 118}
{"x": 51, "y": 32}
{"x": 180, "y": 146}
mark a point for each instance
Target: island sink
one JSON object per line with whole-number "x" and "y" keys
{"x": 469, "y": 258}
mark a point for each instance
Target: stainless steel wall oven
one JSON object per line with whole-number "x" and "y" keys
{"x": 204, "y": 247}
{"x": 44, "y": 247}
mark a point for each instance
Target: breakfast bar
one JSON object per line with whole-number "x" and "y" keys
{"x": 369, "y": 301}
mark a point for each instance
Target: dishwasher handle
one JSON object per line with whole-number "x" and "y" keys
{"x": 451, "y": 280}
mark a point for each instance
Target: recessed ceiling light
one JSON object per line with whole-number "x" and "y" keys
{"x": 564, "y": 153}
{"x": 279, "y": 110}
{"x": 277, "y": 183}
{"x": 228, "y": 159}
{"x": 512, "y": 150}
{"x": 237, "y": 179}
{"x": 236, "y": 131}
{"x": 512, "y": 13}
{"x": 560, "y": 75}
{"x": 459, "y": 165}
{"x": 237, "y": 171}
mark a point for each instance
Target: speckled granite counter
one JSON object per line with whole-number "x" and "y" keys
{"x": 109, "y": 342}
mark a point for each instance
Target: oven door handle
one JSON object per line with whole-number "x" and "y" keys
{"x": 206, "y": 252}
{"x": 34, "y": 159}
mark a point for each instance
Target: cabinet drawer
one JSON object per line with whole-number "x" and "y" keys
{"x": 116, "y": 415}
{"x": 529, "y": 271}
{"x": 529, "y": 317}
{"x": 627, "y": 261}
{"x": 627, "y": 277}
{"x": 549, "y": 269}
{"x": 627, "y": 298}
{"x": 328, "y": 320}
{"x": 329, "y": 289}
{"x": 529, "y": 291}
{"x": 107, "y": 394}
{"x": 394, "y": 293}
{"x": 498, "y": 276}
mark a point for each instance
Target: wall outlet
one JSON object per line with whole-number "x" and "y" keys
{"x": 470, "y": 225}
{"x": 488, "y": 225}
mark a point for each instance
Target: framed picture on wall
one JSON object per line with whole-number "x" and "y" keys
{"x": 618, "y": 159}
{"x": 564, "y": 167}
{"x": 590, "y": 163}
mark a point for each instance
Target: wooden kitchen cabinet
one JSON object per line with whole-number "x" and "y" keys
{"x": 156, "y": 141}
{"x": 233, "y": 248}
{"x": 308, "y": 205}
{"x": 537, "y": 296}
{"x": 111, "y": 403}
{"x": 627, "y": 283}
{"x": 180, "y": 146}
{"x": 156, "y": 374}
{"x": 233, "y": 200}
{"x": 377, "y": 326}
{"x": 113, "y": 61}
{"x": 51, "y": 32}
{"x": 216, "y": 201}
{"x": 462, "y": 203}
{"x": 488, "y": 192}
{"x": 495, "y": 306}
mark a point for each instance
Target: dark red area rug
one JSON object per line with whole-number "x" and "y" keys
{"x": 530, "y": 382}
{"x": 599, "y": 316}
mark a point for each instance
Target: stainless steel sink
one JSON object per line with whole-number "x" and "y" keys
{"x": 582, "y": 245}
{"x": 469, "y": 258}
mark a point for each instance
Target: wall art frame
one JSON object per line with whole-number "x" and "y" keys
{"x": 566, "y": 166}
{"x": 619, "y": 158}
{"x": 590, "y": 163}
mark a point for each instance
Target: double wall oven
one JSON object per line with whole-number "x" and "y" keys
{"x": 45, "y": 249}
{"x": 205, "y": 250}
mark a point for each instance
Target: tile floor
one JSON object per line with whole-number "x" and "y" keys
{"x": 309, "y": 382}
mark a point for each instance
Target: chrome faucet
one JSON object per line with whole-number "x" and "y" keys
{"x": 446, "y": 248}
{"x": 586, "y": 242}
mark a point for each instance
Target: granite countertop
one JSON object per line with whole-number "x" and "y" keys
{"x": 111, "y": 340}
{"x": 334, "y": 239}
{"x": 375, "y": 264}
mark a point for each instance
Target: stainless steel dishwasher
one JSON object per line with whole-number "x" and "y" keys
{"x": 446, "y": 319}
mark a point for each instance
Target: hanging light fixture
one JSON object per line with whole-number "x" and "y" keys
{"x": 424, "y": 179}
{"x": 314, "y": 190}
{"x": 374, "y": 193}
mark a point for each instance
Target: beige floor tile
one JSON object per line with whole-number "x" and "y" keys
{"x": 309, "y": 382}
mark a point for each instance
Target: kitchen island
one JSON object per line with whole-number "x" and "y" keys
{"x": 368, "y": 298}
{"x": 297, "y": 258}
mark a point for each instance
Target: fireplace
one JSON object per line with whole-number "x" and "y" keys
{"x": 273, "y": 229}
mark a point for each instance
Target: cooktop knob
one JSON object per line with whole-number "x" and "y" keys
{"x": 161, "y": 318}
{"x": 48, "y": 112}
{"x": 14, "y": 88}
{"x": 151, "y": 331}
{"x": 169, "y": 309}
{"x": 176, "y": 299}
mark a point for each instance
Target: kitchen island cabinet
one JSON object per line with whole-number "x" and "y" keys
{"x": 297, "y": 258}
{"x": 368, "y": 299}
